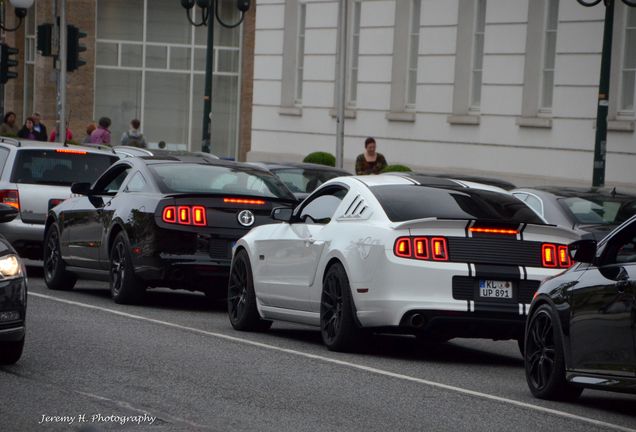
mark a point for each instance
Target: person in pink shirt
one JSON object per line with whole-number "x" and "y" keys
{"x": 101, "y": 135}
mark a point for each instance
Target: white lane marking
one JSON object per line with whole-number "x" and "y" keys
{"x": 369, "y": 369}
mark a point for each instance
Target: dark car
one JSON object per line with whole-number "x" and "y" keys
{"x": 158, "y": 222}
{"x": 503, "y": 184}
{"x": 13, "y": 292}
{"x": 591, "y": 212}
{"x": 302, "y": 178}
{"x": 580, "y": 331}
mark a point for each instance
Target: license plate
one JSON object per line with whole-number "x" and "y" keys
{"x": 495, "y": 289}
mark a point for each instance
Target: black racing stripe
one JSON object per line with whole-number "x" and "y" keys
{"x": 467, "y": 227}
{"x": 521, "y": 229}
{"x": 497, "y": 272}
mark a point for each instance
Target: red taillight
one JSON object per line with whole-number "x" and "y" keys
{"x": 198, "y": 216}
{"x": 494, "y": 231}
{"x": 183, "y": 213}
{"x": 10, "y": 197}
{"x": 403, "y": 247}
{"x": 422, "y": 248}
{"x": 440, "y": 249}
{"x": 549, "y": 255}
{"x": 243, "y": 201}
{"x": 564, "y": 257}
{"x": 170, "y": 214}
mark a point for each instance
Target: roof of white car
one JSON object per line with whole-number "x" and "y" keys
{"x": 44, "y": 145}
{"x": 383, "y": 180}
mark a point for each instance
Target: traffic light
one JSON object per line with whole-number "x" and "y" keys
{"x": 45, "y": 39}
{"x": 8, "y": 60}
{"x": 74, "y": 49}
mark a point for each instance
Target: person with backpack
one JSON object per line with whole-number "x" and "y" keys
{"x": 134, "y": 137}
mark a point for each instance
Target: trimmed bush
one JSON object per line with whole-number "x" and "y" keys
{"x": 396, "y": 168}
{"x": 321, "y": 158}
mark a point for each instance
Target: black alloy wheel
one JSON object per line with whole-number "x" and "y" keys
{"x": 125, "y": 287}
{"x": 55, "y": 274}
{"x": 544, "y": 358}
{"x": 241, "y": 298}
{"x": 338, "y": 326}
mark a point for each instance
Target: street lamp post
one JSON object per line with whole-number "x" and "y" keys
{"x": 210, "y": 11}
{"x": 600, "y": 142}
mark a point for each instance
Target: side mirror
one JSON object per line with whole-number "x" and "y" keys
{"x": 81, "y": 188}
{"x": 583, "y": 251}
{"x": 283, "y": 214}
{"x": 8, "y": 213}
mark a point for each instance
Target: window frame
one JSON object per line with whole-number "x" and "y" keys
{"x": 542, "y": 107}
{"x": 331, "y": 190}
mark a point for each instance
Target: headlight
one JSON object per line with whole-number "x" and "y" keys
{"x": 10, "y": 267}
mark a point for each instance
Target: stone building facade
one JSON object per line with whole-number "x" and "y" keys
{"x": 144, "y": 60}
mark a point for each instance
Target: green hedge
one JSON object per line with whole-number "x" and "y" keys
{"x": 321, "y": 158}
{"x": 396, "y": 168}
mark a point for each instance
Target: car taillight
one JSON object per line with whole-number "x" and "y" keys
{"x": 198, "y": 216}
{"x": 185, "y": 215}
{"x": 422, "y": 248}
{"x": 555, "y": 256}
{"x": 564, "y": 257}
{"x": 170, "y": 214}
{"x": 10, "y": 197}
{"x": 440, "y": 249}
{"x": 403, "y": 247}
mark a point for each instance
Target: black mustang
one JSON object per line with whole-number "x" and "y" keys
{"x": 158, "y": 222}
{"x": 581, "y": 329}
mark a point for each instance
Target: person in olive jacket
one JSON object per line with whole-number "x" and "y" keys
{"x": 370, "y": 162}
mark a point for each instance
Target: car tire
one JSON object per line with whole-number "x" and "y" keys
{"x": 125, "y": 286}
{"x": 338, "y": 326}
{"x": 11, "y": 351}
{"x": 544, "y": 358}
{"x": 55, "y": 275}
{"x": 241, "y": 298}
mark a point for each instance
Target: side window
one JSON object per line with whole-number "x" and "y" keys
{"x": 622, "y": 248}
{"x": 111, "y": 182}
{"x": 535, "y": 204}
{"x": 137, "y": 183}
{"x": 4, "y": 154}
{"x": 320, "y": 209}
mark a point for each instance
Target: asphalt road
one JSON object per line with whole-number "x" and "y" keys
{"x": 175, "y": 364}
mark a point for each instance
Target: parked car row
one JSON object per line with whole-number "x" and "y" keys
{"x": 407, "y": 253}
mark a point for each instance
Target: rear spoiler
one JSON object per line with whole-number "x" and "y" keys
{"x": 228, "y": 195}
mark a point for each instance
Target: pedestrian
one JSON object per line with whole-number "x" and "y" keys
{"x": 69, "y": 134}
{"x": 89, "y": 130}
{"x": 28, "y": 131}
{"x": 39, "y": 127}
{"x": 101, "y": 135}
{"x": 370, "y": 162}
{"x": 134, "y": 137}
{"x": 8, "y": 127}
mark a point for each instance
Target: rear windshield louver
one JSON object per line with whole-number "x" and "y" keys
{"x": 356, "y": 209}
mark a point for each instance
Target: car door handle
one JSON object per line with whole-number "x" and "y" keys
{"x": 309, "y": 241}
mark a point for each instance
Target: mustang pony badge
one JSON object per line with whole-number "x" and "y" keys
{"x": 246, "y": 218}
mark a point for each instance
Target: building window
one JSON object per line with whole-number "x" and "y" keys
{"x": 414, "y": 48}
{"x": 149, "y": 55}
{"x": 549, "y": 54}
{"x": 628, "y": 73}
{"x": 300, "y": 56}
{"x": 352, "y": 94}
{"x": 478, "y": 55}
{"x": 469, "y": 60}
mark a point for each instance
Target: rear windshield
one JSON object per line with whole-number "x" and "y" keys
{"x": 59, "y": 167}
{"x": 408, "y": 202}
{"x": 600, "y": 210}
{"x": 199, "y": 178}
{"x": 305, "y": 180}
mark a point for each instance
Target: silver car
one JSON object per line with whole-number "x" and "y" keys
{"x": 37, "y": 176}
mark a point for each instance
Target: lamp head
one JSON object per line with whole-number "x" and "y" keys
{"x": 187, "y": 4}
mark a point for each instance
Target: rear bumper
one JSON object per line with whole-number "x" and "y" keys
{"x": 26, "y": 238}
{"x": 12, "y": 309}
{"x": 190, "y": 272}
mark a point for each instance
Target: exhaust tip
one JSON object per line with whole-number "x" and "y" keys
{"x": 417, "y": 320}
